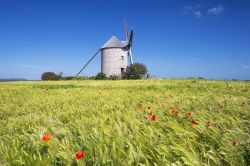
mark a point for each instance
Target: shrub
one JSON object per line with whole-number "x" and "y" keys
{"x": 91, "y": 77}
{"x": 135, "y": 71}
{"x": 81, "y": 78}
{"x": 50, "y": 76}
{"x": 68, "y": 78}
{"x": 114, "y": 77}
{"x": 100, "y": 76}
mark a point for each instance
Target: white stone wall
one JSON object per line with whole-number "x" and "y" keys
{"x": 112, "y": 61}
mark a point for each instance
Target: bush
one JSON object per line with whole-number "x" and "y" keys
{"x": 80, "y": 78}
{"x": 91, "y": 78}
{"x": 100, "y": 76}
{"x": 50, "y": 76}
{"x": 135, "y": 71}
{"x": 68, "y": 78}
{"x": 114, "y": 77}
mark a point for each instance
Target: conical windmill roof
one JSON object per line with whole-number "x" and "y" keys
{"x": 114, "y": 42}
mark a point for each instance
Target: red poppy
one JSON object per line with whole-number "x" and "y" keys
{"x": 139, "y": 106}
{"x": 46, "y": 137}
{"x": 79, "y": 155}
{"x": 153, "y": 117}
{"x": 151, "y": 113}
{"x": 194, "y": 122}
{"x": 189, "y": 113}
{"x": 234, "y": 142}
{"x": 175, "y": 112}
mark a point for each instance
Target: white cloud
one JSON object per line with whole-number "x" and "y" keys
{"x": 198, "y": 14}
{"x": 199, "y": 10}
{"x": 215, "y": 10}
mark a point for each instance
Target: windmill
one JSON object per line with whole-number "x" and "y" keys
{"x": 114, "y": 54}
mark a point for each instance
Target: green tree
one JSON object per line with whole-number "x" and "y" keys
{"x": 50, "y": 76}
{"x": 135, "y": 71}
{"x": 100, "y": 76}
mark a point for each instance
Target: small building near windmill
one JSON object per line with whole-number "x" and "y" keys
{"x": 114, "y": 58}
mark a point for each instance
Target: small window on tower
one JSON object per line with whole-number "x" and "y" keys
{"x": 122, "y": 57}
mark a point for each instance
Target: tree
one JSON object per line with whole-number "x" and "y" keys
{"x": 135, "y": 71}
{"x": 50, "y": 76}
{"x": 100, "y": 76}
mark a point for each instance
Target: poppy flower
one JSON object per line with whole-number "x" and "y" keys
{"x": 153, "y": 117}
{"x": 79, "y": 155}
{"x": 139, "y": 106}
{"x": 194, "y": 122}
{"x": 46, "y": 137}
{"x": 234, "y": 142}
{"x": 189, "y": 113}
{"x": 175, "y": 112}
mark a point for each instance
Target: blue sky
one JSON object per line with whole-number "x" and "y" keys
{"x": 175, "y": 39}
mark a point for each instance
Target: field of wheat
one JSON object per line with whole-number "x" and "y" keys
{"x": 144, "y": 122}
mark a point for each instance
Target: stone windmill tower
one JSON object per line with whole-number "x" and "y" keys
{"x": 115, "y": 55}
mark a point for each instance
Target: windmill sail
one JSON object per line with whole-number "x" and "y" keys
{"x": 126, "y": 29}
{"x": 129, "y": 39}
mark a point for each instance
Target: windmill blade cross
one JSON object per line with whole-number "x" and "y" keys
{"x": 126, "y": 29}
{"x": 87, "y": 63}
{"x": 131, "y": 57}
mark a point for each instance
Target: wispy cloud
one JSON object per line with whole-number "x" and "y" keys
{"x": 198, "y": 14}
{"x": 199, "y": 10}
{"x": 246, "y": 67}
{"x": 194, "y": 10}
{"x": 218, "y": 9}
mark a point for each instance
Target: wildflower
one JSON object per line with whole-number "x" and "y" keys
{"x": 194, "y": 122}
{"x": 46, "y": 137}
{"x": 150, "y": 113}
{"x": 189, "y": 113}
{"x": 234, "y": 142}
{"x": 79, "y": 155}
{"x": 140, "y": 106}
{"x": 153, "y": 117}
{"x": 175, "y": 112}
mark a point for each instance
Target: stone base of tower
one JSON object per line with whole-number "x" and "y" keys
{"x": 114, "y": 61}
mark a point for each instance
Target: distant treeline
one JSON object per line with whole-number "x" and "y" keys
{"x": 12, "y": 79}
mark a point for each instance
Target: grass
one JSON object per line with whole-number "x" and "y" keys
{"x": 103, "y": 119}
